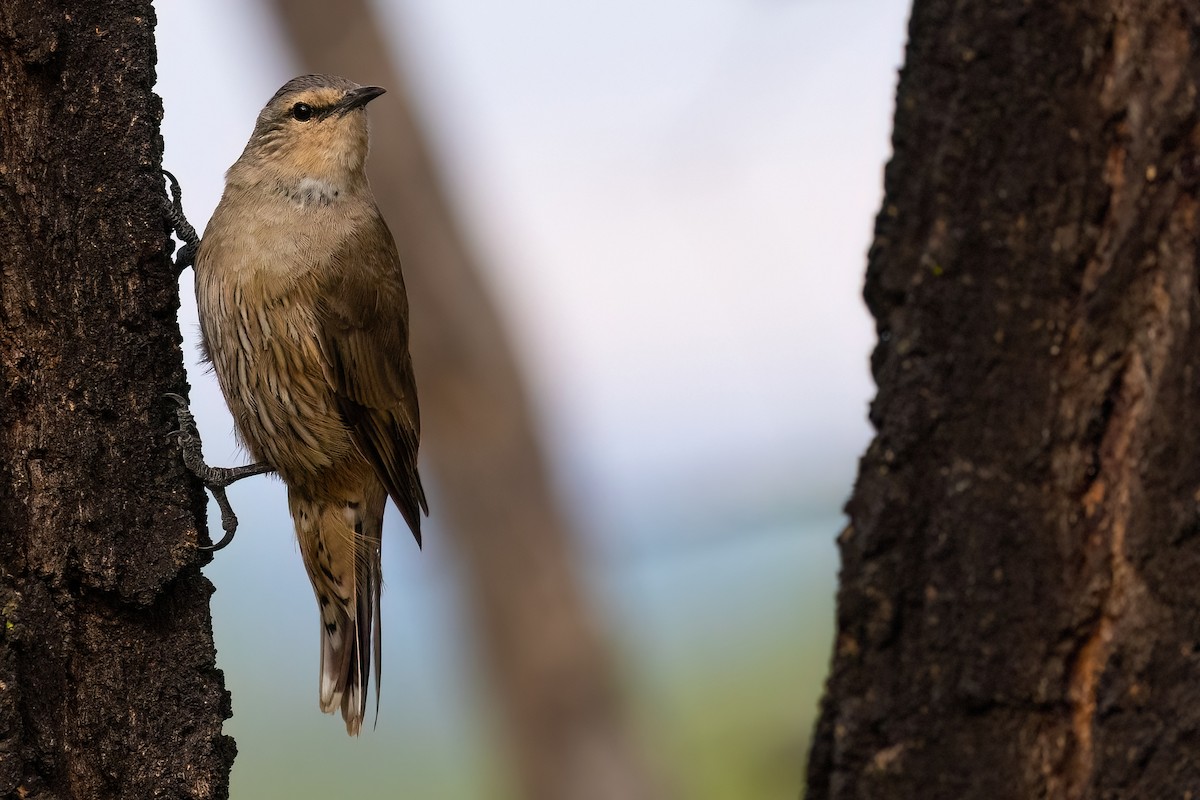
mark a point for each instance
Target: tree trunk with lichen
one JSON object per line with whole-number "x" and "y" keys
{"x": 108, "y": 686}
{"x": 1019, "y": 614}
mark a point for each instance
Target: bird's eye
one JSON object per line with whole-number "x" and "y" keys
{"x": 302, "y": 112}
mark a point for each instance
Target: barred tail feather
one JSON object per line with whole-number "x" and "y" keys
{"x": 341, "y": 548}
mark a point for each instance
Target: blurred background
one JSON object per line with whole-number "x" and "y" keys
{"x": 668, "y": 206}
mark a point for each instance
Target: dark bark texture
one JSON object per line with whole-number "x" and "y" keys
{"x": 1019, "y": 608}
{"x": 108, "y": 685}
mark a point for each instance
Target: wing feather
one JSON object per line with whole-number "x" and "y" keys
{"x": 362, "y": 325}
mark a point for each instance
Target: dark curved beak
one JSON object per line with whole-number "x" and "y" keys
{"x": 357, "y": 98}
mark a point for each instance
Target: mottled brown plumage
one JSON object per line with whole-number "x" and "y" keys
{"x": 305, "y": 319}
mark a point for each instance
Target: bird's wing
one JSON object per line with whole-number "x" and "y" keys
{"x": 362, "y": 323}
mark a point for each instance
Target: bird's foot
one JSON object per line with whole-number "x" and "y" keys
{"x": 186, "y": 256}
{"x": 215, "y": 479}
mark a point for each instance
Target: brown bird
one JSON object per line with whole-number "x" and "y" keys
{"x": 305, "y": 320}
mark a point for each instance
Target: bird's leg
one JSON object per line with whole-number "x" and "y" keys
{"x": 186, "y": 256}
{"x": 215, "y": 479}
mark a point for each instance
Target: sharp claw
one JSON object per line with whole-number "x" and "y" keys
{"x": 228, "y": 524}
{"x": 186, "y": 255}
{"x": 183, "y": 416}
{"x": 221, "y": 545}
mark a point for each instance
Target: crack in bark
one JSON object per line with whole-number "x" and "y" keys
{"x": 1135, "y": 205}
{"x": 1109, "y": 502}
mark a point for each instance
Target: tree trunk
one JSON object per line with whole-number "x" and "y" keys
{"x": 1019, "y": 614}
{"x": 108, "y": 686}
{"x": 565, "y": 724}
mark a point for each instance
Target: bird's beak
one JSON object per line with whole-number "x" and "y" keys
{"x": 357, "y": 98}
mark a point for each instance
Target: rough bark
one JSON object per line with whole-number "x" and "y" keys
{"x": 108, "y": 685}
{"x": 1019, "y": 614}
{"x": 562, "y": 711}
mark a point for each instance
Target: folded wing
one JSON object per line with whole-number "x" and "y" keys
{"x": 363, "y": 329}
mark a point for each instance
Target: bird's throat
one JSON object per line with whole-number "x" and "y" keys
{"x": 310, "y": 191}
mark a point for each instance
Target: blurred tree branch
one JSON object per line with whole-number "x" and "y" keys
{"x": 564, "y": 716}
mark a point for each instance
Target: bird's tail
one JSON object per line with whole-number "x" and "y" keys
{"x": 340, "y": 543}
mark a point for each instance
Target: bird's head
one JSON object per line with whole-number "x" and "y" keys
{"x": 315, "y": 127}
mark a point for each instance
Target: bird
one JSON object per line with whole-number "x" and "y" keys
{"x": 304, "y": 319}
